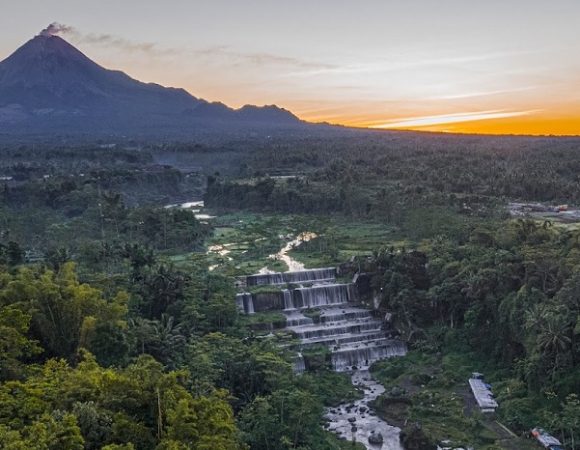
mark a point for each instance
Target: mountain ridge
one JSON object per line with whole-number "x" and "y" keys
{"x": 48, "y": 82}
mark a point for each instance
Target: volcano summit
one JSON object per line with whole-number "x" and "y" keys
{"x": 48, "y": 85}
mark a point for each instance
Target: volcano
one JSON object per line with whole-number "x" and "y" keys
{"x": 49, "y": 84}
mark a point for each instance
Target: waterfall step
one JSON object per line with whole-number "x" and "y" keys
{"x": 303, "y": 308}
{"x": 337, "y": 341}
{"x": 317, "y": 296}
{"x": 301, "y": 276}
{"x": 323, "y": 295}
{"x": 353, "y": 335}
{"x": 295, "y": 318}
{"x": 336, "y": 328}
{"x": 362, "y": 355}
{"x": 338, "y": 314}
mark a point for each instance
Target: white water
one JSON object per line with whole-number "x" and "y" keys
{"x": 295, "y": 318}
{"x": 310, "y": 276}
{"x": 195, "y": 207}
{"x": 288, "y": 300}
{"x": 355, "y": 338}
{"x": 322, "y": 295}
{"x": 220, "y": 249}
{"x": 204, "y": 216}
{"x": 245, "y": 303}
{"x": 364, "y": 424}
{"x": 282, "y": 255}
{"x": 189, "y": 205}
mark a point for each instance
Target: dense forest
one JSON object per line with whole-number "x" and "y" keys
{"x": 106, "y": 343}
{"x": 473, "y": 280}
{"x": 382, "y": 176}
{"x": 510, "y": 296}
{"x": 116, "y": 334}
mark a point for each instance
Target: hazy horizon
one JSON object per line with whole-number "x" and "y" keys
{"x": 500, "y": 67}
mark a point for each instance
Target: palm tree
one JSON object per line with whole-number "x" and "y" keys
{"x": 553, "y": 336}
{"x": 553, "y": 340}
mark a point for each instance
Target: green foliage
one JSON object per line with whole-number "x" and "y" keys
{"x": 174, "y": 365}
{"x": 63, "y": 312}
{"x": 283, "y": 420}
{"x": 140, "y": 404}
{"x": 15, "y": 344}
{"x": 331, "y": 387}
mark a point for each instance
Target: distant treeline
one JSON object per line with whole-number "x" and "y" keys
{"x": 384, "y": 177}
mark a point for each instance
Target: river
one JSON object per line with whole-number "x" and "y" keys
{"x": 356, "y": 420}
{"x": 282, "y": 255}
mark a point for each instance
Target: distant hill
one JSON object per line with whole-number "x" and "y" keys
{"x": 48, "y": 85}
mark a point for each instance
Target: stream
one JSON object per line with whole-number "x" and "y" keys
{"x": 357, "y": 421}
{"x": 282, "y": 255}
{"x": 357, "y": 415}
{"x": 354, "y": 420}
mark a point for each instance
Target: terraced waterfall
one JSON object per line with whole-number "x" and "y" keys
{"x": 320, "y": 311}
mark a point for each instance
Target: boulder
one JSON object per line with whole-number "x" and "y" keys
{"x": 375, "y": 438}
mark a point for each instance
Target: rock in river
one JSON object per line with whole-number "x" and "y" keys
{"x": 376, "y": 438}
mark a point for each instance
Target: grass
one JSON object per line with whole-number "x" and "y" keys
{"x": 317, "y": 358}
{"x": 263, "y": 289}
{"x": 263, "y": 320}
{"x": 313, "y": 313}
{"x": 340, "y": 239}
{"x": 333, "y": 388}
{"x": 252, "y": 238}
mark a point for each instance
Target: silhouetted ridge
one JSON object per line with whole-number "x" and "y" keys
{"x": 48, "y": 82}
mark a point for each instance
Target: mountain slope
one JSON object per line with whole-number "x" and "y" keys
{"x": 48, "y": 82}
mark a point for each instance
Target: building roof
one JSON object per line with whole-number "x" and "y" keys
{"x": 482, "y": 394}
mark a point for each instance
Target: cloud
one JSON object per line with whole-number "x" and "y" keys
{"x": 481, "y": 93}
{"x": 426, "y": 121}
{"x": 224, "y": 52}
{"x": 109, "y": 40}
{"x": 236, "y": 57}
{"x": 384, "y": 65}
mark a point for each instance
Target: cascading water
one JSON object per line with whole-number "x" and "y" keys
{"x": 249, "y": 306}
{"x": 299, "y": 364}
{"x": 245, "y": 302}
{"x": 355, "y": 338}
{"x": 329, "y": 315}
{"x": 301, "y": 276}
{"x": 288, "y": 300}
{"x": 240, "y": 303}
{"x": 322, "y": 295}
{"x": 347, "y": 328}
{"x": 363, "y": 354}
{"x": 295, "y": 318}
{"x": 309, "y": 275}
{"x": 264, "y": 279}
{"x": 353, "y": 421}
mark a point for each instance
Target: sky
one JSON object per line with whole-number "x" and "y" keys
{"x": 493, "y": 66}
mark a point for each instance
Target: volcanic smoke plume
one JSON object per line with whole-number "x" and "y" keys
{"x": 55, "y": 29}
{"x": 58, "y": 29}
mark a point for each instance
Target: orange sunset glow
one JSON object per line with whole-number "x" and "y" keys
{"x": 488, "y": 67}
{"x": 479, "y": 122}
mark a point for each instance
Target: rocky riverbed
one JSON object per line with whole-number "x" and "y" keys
{"x": 357, "y": 421}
